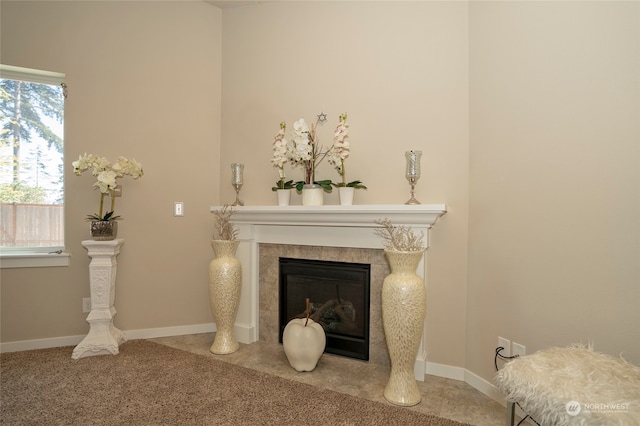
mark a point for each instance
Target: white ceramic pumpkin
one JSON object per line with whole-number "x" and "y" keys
{"x": 303, "y": 344}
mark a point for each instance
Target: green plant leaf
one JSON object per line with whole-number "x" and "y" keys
{"x": 106, "y": 218}
{"x": 280, "y": 184}
{"x": 325, "y": 184}
{"x": 356, "y": 184}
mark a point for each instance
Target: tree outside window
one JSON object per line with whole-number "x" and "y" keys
{"x": 31, "y": 159}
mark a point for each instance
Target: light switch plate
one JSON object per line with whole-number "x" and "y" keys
{"x": 178, "y": 208}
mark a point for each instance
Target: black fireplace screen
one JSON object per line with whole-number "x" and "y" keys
{"x": 339, "y": 301}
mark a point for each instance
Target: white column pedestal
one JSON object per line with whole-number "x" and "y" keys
{"x": 103, "y": 338}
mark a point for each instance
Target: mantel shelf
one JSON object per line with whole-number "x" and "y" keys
{"x": 422, "y": 215}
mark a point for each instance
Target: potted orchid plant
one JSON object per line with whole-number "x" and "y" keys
{"x": 305, "y": 151}
{"x": 338, "y": 153}
{"x": 280, "y": 158}
{"x": 103, "y": 226}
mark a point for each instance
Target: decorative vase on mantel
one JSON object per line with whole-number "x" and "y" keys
{"x": 403, "y": 313}
{"x": 225, "y": 284}
{"x": 103, "y": 230}
{"x": 312, "y": 195}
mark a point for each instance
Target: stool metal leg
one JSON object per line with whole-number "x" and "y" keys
{"x": 511, "y": 413}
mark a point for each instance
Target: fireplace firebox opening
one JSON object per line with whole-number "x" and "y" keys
{"x": 339, "y": 295}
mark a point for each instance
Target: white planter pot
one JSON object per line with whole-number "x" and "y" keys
{"x": 312, "y": 195}
{"x": 284, "y": 197}
{"x": 346, "y": 195}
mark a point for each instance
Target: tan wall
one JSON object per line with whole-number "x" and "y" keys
{"x": 144, "y": 82}
{"x": 400, "y": 72}
{"x": 527, "y": 115}
{"x": 554, "y": 233}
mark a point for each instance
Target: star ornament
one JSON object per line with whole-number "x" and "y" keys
{"x": 322, "y": 117}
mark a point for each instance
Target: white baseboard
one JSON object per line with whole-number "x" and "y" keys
{"x": 447, "y": 371}
{"x": 146, "y": 333}
{"x": 28, "y": 345}
{"x": 150, "y": 333}
{"x": 464, "y": 375}
{"x": 245, "y": 333}
{"x": 484, "y": 386}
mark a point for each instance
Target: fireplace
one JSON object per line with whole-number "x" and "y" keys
{"x": 339, "y": 301}
{"x": 329, "y": 232}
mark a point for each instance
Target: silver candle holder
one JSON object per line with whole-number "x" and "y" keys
{"x": 413, "y": 173}
{"x": 236, "y": 181}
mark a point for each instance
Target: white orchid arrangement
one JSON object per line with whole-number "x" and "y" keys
{"x": 303, "y": 149}
{"x": 106, "y": 175}
{"x": 340, "y": 151}
{"x": 280, "y": 158}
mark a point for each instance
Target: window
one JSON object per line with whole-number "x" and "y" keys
{"x": 31, "y": 167}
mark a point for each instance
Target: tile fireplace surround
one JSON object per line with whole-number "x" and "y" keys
{"x": 330, "y": 232}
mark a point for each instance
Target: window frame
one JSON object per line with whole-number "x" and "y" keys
{"x": 33, "y": 257}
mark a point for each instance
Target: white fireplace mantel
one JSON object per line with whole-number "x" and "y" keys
{"x": 334, "y": 215}
{"x": 324, "y": 226}
{"x": 329, "y": 225}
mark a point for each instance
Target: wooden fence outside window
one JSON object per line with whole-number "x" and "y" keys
{"x": 31, "y": 225}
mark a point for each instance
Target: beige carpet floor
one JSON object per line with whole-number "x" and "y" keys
{"x": 152, "y": 384}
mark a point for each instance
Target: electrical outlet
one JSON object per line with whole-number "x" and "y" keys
{"x": 519, "y": 349}
{"x": 178, "y": 208}
{"x": 86, "y": 304}
{"x": 506, "y": 344}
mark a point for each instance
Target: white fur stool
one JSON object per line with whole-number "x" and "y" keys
{"x": 572, "y": 386}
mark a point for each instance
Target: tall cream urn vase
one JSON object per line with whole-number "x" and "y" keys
{"x": 403, "y": 311}
{"x": 225, "y": 284}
